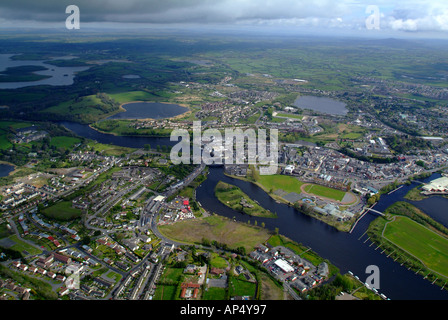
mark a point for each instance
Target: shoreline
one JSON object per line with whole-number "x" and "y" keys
{"x": 12, "y": 165}
{"x": 122, "y": 109}
{"x": 279, "y": 199}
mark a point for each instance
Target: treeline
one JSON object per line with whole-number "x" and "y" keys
{"x": 350, "y": 153}
{"x": 223, "y": 246}
{"x": 407, "y": 144}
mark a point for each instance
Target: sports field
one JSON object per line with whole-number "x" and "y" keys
{"x": 424, "y": 244}
{"x": 322, "y": 191}
{"x": 285, "y": 183}
{"x": 292, "y": 184}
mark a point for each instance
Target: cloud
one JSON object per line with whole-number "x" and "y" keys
{"x": 418, "y": 16}
{"x": 410, "y": 15}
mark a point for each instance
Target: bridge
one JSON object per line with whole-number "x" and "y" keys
{"x": 376, "y": 211}
{"x": 363, "y": 214}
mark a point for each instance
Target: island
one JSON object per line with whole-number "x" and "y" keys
{"x": 236, "y": 199}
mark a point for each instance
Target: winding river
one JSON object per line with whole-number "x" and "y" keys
{"x": 348, "y": 251}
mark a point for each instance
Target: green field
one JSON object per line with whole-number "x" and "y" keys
{"x": 85, "y": 109}
{"x": 110, "y": 149}
{"x": 64, "y": 142}
{"x": 276, "y": 182}
{"x": 239, "y": 287}
{"x": 326, "y": 192}
{"x": 213, "y": 293}
{"x": 132, "y": 96}
{"x": 424, "y": 244}
{"x": 62, "y": 211}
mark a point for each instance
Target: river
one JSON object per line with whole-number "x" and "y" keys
{"x": 348, "y": 251}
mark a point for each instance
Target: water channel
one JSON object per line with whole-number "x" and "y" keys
{"x": 348, "y": 251}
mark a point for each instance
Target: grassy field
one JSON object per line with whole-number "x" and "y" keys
{"x": 216, "y": 228}
{"x": 62, "y": 211}
{"x": 426, "y": 245}
{"x": 132, "y": 96}
{"x": 64, "y": 142}
{"x": 87, "y": 109}
{"x": 109, "y": 149}
{"x": 22, "y": 246}
{"x": 326, "y": 192}
{"x": 214, "y": 293}
{"x": 289, "y": 115}
{"x": 275, "y": 182}
{"x": 232, "y": 197}
{"x": 239, "y": 287}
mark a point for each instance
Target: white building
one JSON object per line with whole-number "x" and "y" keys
{"x": 285, "y": 266}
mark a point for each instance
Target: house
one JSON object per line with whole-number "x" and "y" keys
{"x": 62, "y": 258}
{"x": 216, "y": 271}
{"x": 189, "y": 290}
{"x": 299, "y": 285}
{"x": 63, "y": 291}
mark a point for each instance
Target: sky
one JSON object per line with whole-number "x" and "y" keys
{"x": 408, "y": 16}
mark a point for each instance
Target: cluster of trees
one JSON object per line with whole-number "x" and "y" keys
{"x": 330, "y": 290}
{"x": 407, "y": 144}
{"x": 206, "y": 242}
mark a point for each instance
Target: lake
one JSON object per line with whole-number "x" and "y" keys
{"x": 321, "y": 104}
{"x": 5, "y": 170}
{"x": 149, "y": 110}
{"x": 59, "y": 76}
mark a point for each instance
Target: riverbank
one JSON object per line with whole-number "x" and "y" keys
{"x": 14, "y": 170}
{"x": 343, "y": 226}
{"x": 237, "y": 200}
{"x": 416, "y": 241}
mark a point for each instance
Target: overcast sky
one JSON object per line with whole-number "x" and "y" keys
{"x": 410, "y": 16}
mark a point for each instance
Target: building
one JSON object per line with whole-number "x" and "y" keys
{"x": 439, "y": 185}
{"x": 285, "y": 266}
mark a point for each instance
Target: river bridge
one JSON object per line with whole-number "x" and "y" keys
{"x": 363, "y": 214}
